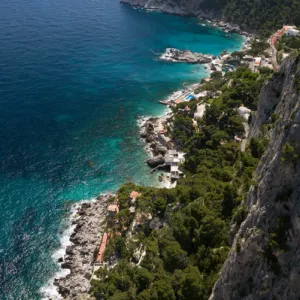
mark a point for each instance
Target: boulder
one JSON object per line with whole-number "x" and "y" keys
{"x": 144, "y": 134}
{"x": 155, "y": 161}
{"x": 66, "y": 265}
{"x": 161, "y": 149}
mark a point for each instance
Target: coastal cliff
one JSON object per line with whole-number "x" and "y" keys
{"x": 202, "y": 8}
{"x": 252, "y": 16}
{"x": 264, "y": 259}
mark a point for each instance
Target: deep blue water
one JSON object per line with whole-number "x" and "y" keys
{"x": 74, "y": 77}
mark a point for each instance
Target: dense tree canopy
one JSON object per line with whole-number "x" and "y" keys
{"x": 188, "y": 243}
{"x": 262, "y": 15}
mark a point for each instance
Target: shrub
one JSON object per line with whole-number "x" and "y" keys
{"x": 238, "y": 245}
{"x": 288, "y": 154}
{"x": 258, "y": 147}
{"x": 274, "y": 117}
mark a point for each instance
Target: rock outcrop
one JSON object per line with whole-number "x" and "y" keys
{"x": 211, "y": 10}
{"x": 264, "y": 261}
{"x": 155, "y": 161}
{"x": 201, "y": 8}
{"x": 80, "y": 255}
{"x": 186, "y": 56}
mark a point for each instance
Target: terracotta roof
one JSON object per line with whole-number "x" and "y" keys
{"x": 102, "y": 248}
{"x": 134, "y": 194}
{"x": 178, "y": 101}
{"x": 113, "y": 208}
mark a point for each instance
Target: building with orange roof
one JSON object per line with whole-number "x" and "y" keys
{"x": 178, "y": 101}
{"x": 113, "y": 208}
{"x": 134, "y": 194}
{"x": 100, "y": 256}
{"x": 112, "y": 211}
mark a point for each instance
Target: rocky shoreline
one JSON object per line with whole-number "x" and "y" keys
{"x": 191, "y": 10}
{"x": 155, "y": 146}
{"x": 186, "y": 56}
{"x": 226, "y": 27}
{"x": 79, "y": 257}
{"x": 90, "y": 220}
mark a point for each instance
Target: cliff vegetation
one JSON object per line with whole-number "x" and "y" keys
{"x": 174, "y": 245}
{"x": 252, "y": 15}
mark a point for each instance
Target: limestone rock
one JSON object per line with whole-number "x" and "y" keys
{"x": 155, "y": 161}
{"x": 80, "y": 255}
{"x": 175, "y": 55}
{"x": 260, "y": 269}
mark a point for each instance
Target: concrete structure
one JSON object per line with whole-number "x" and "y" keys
{"x": 133, "y": 195}
{"x": 237, "y": 139}
{"x": 291, "y": 30}
{"x": 112, "y": 211}
{"x": 200, "y": 110}
{"x": 172, "y": 158}
{"x": 257, "y": 62}
{"x": 244, "y": 112}
{"x": 175, "y": 173}
{"x": 132, "y": 209}
{"x": 248, "y": 58}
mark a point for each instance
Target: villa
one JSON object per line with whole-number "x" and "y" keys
{"x": 175, "y": 173}
{"x": 112, "y": 211}
{"x": 257, "y": 62}
{"x": 291, "y": 30}
{"x": 133, "y": 195}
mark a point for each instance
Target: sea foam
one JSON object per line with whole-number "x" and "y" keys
{"x": 49, "y": 290}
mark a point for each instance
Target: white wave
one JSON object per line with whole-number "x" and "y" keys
{"x": 142, "y": 120}
{"x": 49, "y": 290}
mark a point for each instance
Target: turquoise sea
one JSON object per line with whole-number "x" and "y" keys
{"x": 74, "y": 78}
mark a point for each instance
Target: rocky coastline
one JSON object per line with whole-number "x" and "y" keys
{"x": 79, "y": 257}
{"x": 90, "y": 220}
{"x": 152, "y": 134}
{"x": 226, "y": 27}
{"x": 189, "y": 8}
{"x": 186, "y": 56}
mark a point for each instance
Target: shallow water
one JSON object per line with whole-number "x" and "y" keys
{"x": 74, "y": 78}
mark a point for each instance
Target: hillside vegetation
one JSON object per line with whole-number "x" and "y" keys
{"x": 262, "y": 15}
{"x": 188, "y": 239}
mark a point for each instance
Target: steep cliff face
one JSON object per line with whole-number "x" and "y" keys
{"x": 264, "y": 262}
{"x": 202, "y": 8}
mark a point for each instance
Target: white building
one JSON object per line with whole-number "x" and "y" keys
{"x": 291, "y": 30}
{"x": 244, "y": 112}
{"x": 257, "y": 62}
{"x": 200, "y": 110}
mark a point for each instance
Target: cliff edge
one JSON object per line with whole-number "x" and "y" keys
{"x": 264, "y": 261}
{"x": 201, "y": 8}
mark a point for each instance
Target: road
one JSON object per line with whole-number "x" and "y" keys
{"x": 272, "y": 42}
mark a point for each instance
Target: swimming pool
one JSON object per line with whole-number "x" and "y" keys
{"x": 189, "y": 97}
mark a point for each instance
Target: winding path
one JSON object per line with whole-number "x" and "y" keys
{"x": 272, "y": 42}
